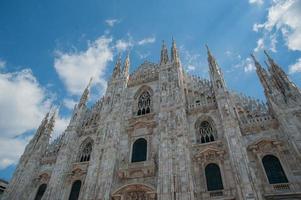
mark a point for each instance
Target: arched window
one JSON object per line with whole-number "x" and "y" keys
{"x": 206, "y": 132}
{"x": 86, "y": 152}
{"x": 139, "y": 151}
{"x": 273, "y": 169}
{"x": 213, "y": 177}
{"x": 75, "y": 190}
{"x": 41, "y": 192}
{"x": 144, "y": 103}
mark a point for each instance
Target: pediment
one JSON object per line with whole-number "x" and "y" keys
{"x": 263, "y": 142}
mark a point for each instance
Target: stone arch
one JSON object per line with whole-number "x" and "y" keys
{"x": 135, "y": 191}
{"x": 205, "y": 130}
{"x": 85, "y": 150}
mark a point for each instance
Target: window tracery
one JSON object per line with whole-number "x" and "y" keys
{"x": 206, "y": 132}
{"x": 144, "y": 103}
{"x": 86, "y": 152}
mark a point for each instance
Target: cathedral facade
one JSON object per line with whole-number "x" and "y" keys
{"x": 161, "y": 134}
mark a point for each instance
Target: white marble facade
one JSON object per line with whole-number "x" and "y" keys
{"x": 161, "y": 134}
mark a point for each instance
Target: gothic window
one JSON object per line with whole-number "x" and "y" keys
{"x": 213, "y": 177}
{"x": 75, "y": 190}
{"x": 273, "y": 169}
{"x": 139, "y": 151}
{"x": 144, "y": 103}
{"x": 86, "y": 152}
{"x": 41, "y": 192}
{"x": 206, "y": 132}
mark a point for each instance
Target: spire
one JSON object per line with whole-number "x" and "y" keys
{"x": 85, "y": 95}
{"x": 262, "y": 74}
{"x": 174, "y": 51}
{"x": 126, "y": 66}
{"x": 117, "y": 68}
{"x": 51, "y": 122}
{"x": 279, "y": 77}
{"x": 164, "y": 54}
{"x": 213, "y": 66}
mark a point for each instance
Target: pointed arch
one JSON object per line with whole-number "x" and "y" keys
{"x": 213, "y": 177}
{"x": 143, "y": 100}
{"x": 205, "y": 130}
{"x": 41, "y": 191}
{"x": 274, "y": 170}
{"x": 85, "y": 150}
{"x": 75, "y": 190}
{"x": 139, "y": 150}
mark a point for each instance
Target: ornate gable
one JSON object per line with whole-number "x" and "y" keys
{"x": 146, "y": 72}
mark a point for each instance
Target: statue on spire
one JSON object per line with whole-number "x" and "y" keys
{"x": 164, "y": 54}
{"x": 174, "y": 52}
{"x": 126, "y": 66}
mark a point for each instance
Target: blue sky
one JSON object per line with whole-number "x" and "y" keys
{"x": 50, "y": 49}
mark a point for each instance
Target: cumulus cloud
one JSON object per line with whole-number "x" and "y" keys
{"x": 75, "y": 69}
{"x": 22, "y": 108}
{"x": 112, "y": 22}
{"x": 9, "y": 156}
{"x": 147, "y": 40}
{"x": 283, "y": 18}
{"x": 295, "y": 68}
{"x": 21, "y": 112}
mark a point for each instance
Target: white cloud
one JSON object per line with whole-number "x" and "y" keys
{"x": 283, "y": 18}
{"x": 69, "y": 103}
{"x": 246, "y": 64}
{"x": 295, "y": 68}
{"x": 112, "y": 22}
{"x": 22, "y": 108}
{"x": 258, "y": 2}
{"x": 148, "y": 40}
{"x": 191, "y": 61}
{"x": 260, "y": 44}
{"x": 9, "y": 156}
{"x": 122, "y": 45}
{"x": 2, "y": 63}
{"x": 75, "y": 69}
{"x": 23, "y": 104}
{"x": 61, "y": 124}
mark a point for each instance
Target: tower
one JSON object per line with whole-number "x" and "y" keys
{"x": 238, "y": 155}
{"x": 174, "y": 172}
